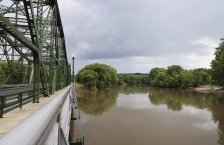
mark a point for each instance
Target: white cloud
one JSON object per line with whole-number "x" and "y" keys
{"x": 193, "y": 111}
{"x": 83, "y": 45}
{"x": 138, "y": 101}
{"x": 139, "y": 35}
{"x": 207, "y": 125}
{"x": 208, "y": 43}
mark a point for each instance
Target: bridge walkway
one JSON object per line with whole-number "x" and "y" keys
{"x": 16, "y": 116}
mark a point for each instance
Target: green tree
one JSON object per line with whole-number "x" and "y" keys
{"x": 15, "y": 74}
{"x": 217, "y": 65}
{"x": 152, "y": 75}
{"x": 197, "y": 78}
{"x": 206, "y": 78}
{"x": 174, "y": 69}
{"x": 134, "y": 79}
{"x": 121, "y": 82}
{"x": 2, "y": 76}
{"x": 187, "y": 79}
{"x": 98, "y": 75}
{"x": 174, "y": 78}
{"x": 88, "y": 78}
{"x": 160, "y": 79}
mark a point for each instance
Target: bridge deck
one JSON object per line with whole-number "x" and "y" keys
{"x": 15, "y": 117}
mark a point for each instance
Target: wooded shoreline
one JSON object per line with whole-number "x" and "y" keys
{"x": 203, "y": 89}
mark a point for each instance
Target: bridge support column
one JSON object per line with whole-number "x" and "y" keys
{"x": 2, "y": 106}
{"x": 20, "y": 98}
{"x": 36, "y": 81}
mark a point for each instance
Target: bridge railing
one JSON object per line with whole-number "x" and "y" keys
{"x": 11, "y": 99}
{"x": 14, "y": 86}
{"x": 76, "y": 113}
{"x": 48, "y": 125}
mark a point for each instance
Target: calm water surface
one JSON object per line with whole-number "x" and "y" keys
{"x": 151, "y": 116}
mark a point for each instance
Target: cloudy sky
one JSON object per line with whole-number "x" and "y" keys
{"x": 138, "y": 35}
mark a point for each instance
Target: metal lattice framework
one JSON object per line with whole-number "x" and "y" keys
{"x": 31, "y": 33}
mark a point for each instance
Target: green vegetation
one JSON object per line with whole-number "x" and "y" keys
{"x": 13, "y": 73}
{"x": 133, "y": 79}
{"x": 217, "y": 65}
{"x": 175, "y": 76}
{"x": 2, "y": 76}
{"x": 98, "y": 76}
{"x": 101, "y": 76}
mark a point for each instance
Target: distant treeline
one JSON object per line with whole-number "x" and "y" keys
{"x": 133, "y": 79}
{"x": 101, "y": 76}
{"x": 174, "y": 76}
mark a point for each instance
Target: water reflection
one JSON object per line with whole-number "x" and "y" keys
{"x": 175, "y": 98}
{"x": 217, "y": 109}
{"x": 142, "y": 115}
{"x": 133, "y": 90}
{"x": 97, "y": 102}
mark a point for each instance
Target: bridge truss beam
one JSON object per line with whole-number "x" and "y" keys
{"x": 31, "y": 35}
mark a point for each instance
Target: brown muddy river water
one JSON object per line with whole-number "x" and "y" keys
{"x": 151, "y": 116}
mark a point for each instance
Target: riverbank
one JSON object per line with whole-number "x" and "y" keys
{"x": 209, "y": 89}
{"x": 204, "y": 89}
{"x": 80, "y": 88}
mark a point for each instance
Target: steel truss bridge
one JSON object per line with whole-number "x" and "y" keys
{"x": 32, "y": 37}
{"x": 32, "y": 44}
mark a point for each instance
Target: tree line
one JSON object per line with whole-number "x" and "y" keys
{"x": 175, "y": 76}
{"x": 101, "y": 75}
{"x": 133, "y": 79}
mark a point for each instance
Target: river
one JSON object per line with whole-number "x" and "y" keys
{"x": 151, "y": 116}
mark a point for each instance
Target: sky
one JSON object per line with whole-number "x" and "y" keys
{"x": 137, "y": 35}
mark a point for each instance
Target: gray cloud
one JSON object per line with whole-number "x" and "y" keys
{"x": 117, "y": 31}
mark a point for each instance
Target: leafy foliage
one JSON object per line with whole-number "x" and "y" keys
{"x": 217, "y": 65}
{"x": 187, "y": 78}
{"x": 97, "y": 76}
{"x": 133, "y": 79}
{"x": 175, "y": 76}
{"x": 14, "y": 75}
{"x": 2, "y": 76}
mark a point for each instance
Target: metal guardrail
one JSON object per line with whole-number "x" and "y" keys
{"x": 12, "y": 86}
{"x": 12, "y": 99}
{"x": 76, "y": 112}
{"x": 48, "y": 125}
